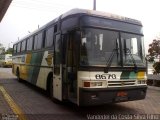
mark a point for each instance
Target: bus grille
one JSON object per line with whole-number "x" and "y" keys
{"x": 121, "y": 83}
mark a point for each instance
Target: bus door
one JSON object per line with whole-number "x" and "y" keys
{"x": 57, "y": 76}
{"x": 71, "y": 57}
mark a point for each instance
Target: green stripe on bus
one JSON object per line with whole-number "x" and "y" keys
{"x": 36, "y": 60}
{"x": 132, "y": 75}
{"x": 125, "y": 75}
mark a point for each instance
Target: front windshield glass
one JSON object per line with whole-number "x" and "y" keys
{"x": 132, "y": 46}
{"x": 98, "y": 46}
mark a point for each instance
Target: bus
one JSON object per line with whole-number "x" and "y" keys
{"x": 86, "y": 57}
{"x": 6, "y": 60}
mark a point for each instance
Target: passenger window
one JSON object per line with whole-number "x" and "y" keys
{"x": 14, "y": 48}
{"x": 35, "y": 41}
{"x": 30, "y": 43}
{"x": 19, "y": 47}
{"x": 49, "y": 37}
{"x": 38, "y": 40}
{"x": 23, "y": 46}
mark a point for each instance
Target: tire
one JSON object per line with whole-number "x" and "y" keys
{"x": 18, "y": 76}
{"x": 51, "y": 87}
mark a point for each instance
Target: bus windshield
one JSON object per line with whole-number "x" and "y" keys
{"x": 133, "y": 52}
{"x": 98, "y": 47}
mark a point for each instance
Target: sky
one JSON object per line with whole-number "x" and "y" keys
{"x": 24, "y": 16}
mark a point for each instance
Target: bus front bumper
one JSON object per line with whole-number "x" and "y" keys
{"x": 99, "y": 96}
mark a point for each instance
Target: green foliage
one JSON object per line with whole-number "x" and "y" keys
{"x": 9, "y": 51}
{"x": 154, "y": 52}
{"x": 154, "y": 49}
{"x": 150, "y": 59}
{"x": 2, "y": 49}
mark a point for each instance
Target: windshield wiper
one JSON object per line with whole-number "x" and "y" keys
{"x": 127, "y": 50}
{"x": 109, "y": 61}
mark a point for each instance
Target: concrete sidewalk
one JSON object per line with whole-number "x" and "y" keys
{"x": 154, "y": 88}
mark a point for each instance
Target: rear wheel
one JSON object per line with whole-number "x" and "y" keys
{"x": 18, "y": 75}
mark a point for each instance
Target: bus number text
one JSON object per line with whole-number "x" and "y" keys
{"x": 105, "y": 76}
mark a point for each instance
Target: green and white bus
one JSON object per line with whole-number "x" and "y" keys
{"x": 85, "y": 57}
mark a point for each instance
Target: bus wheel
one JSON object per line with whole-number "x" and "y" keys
{"x": 18, "y": 76}
{"x": 51, "y": 87}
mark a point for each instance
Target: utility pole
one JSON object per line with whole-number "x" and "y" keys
{"x": 94, "y": 4}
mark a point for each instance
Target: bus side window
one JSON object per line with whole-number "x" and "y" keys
{"x": 23, "y": 48}
{"x": 19, "y": 47}
{"x": 35, "y": 41}
{"x": 30, "y": 43}
{"x": 49, "y": 37}
{"x": 38, "y": 41}
{"x": 15, "y": 48}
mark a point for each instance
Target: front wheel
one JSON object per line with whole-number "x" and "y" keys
{"x": 18, "y": 76}
{"x": 51, "y": 87}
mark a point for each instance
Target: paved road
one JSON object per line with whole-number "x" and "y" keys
{"x": 37, "y": 106}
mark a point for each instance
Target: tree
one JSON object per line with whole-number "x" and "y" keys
{"x": 9, "y": 51}
{"x": 154, "y": 50}
{"x": 2, "y": 49}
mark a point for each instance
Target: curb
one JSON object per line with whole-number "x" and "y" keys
{"x": 154, "y": 88}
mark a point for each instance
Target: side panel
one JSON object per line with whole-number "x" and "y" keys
{"x": 46, "y": 68}
{"x": 34, "y": 67}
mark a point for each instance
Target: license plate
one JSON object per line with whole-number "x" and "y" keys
{"x": 121, "y": 96}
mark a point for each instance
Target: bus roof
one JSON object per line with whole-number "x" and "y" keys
{"x": 86, "y": 12}
{"x": 101, "y": 14}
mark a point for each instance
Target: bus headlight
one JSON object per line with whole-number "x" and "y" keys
{"x": 92, "y": 84}
{"x": 141, "y": 82}
{"x": 86, "y": 84}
